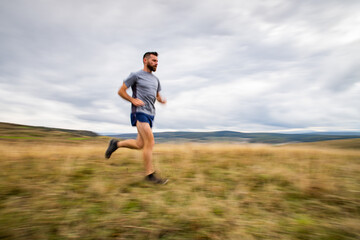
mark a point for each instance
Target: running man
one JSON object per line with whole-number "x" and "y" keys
{"x": 145, "y": 91}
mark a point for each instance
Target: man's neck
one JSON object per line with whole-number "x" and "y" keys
{"x": 147, "y": 70}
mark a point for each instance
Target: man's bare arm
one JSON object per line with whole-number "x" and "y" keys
{"x": 160, "y": 98}
{"x": 122, "y": 93}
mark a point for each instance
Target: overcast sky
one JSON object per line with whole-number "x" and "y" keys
{"x": 250, "y": 66}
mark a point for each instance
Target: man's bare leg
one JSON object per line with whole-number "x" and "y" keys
{"x": 145, "y": 140}
{"x": 114, "y": 144}
{"x": 146, "y": 135}
{"x": 131, "y": 143}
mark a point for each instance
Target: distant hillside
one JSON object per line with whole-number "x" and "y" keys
{"x": 272, "y": 138}
{"x": 17, "y": 131}
{"x": 353, "y": 144}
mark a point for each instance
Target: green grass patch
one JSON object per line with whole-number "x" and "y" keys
{"x": 17, "y": 137}
{"x": 78, "y": 138}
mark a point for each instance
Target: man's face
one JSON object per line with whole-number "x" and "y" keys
{"x": 151, "y": 62}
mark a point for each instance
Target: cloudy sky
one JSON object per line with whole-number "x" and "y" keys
{"x": 277, "y": 65}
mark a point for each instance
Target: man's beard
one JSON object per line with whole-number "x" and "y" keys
{"x": 151, "y": 68}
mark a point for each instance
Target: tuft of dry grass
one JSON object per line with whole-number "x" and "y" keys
{"x": 216, "y": 191}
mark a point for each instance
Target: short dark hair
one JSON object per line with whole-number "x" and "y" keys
{"x": 147, "y": 54}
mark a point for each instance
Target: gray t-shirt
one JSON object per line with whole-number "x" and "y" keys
{"x": 145, "y": 87}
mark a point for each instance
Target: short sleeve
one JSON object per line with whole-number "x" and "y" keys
{"x": 130, "y": 80}
{"x": 159, "y": 86}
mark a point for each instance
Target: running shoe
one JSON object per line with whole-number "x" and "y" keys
{"x": 153, "y": 179}
{"x": 112, "y": 148}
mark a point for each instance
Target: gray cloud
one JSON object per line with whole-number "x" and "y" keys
{"x": 238, "y": 65}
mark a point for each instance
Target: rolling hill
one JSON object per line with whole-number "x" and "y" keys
{"x": 24, "y": 132}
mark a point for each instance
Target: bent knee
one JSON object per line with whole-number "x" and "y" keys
{"x": 149, "y": 144}
{"x": 140, "y": 145}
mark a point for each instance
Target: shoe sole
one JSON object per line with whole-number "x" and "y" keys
{"x": 158, "y": 183}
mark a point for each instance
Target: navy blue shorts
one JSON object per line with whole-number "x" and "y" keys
{"x": 141, "y": 117}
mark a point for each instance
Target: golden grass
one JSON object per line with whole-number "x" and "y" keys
{"x": 216, "y": 191}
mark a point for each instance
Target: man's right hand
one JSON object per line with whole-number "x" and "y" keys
{"x": 137, "y": 102}
{"x": 122, "y": 92}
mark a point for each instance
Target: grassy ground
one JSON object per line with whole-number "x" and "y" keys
{"x": 216, "y": 191}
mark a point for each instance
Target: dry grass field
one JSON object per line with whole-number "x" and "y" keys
{"x": 66, "y": 190}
